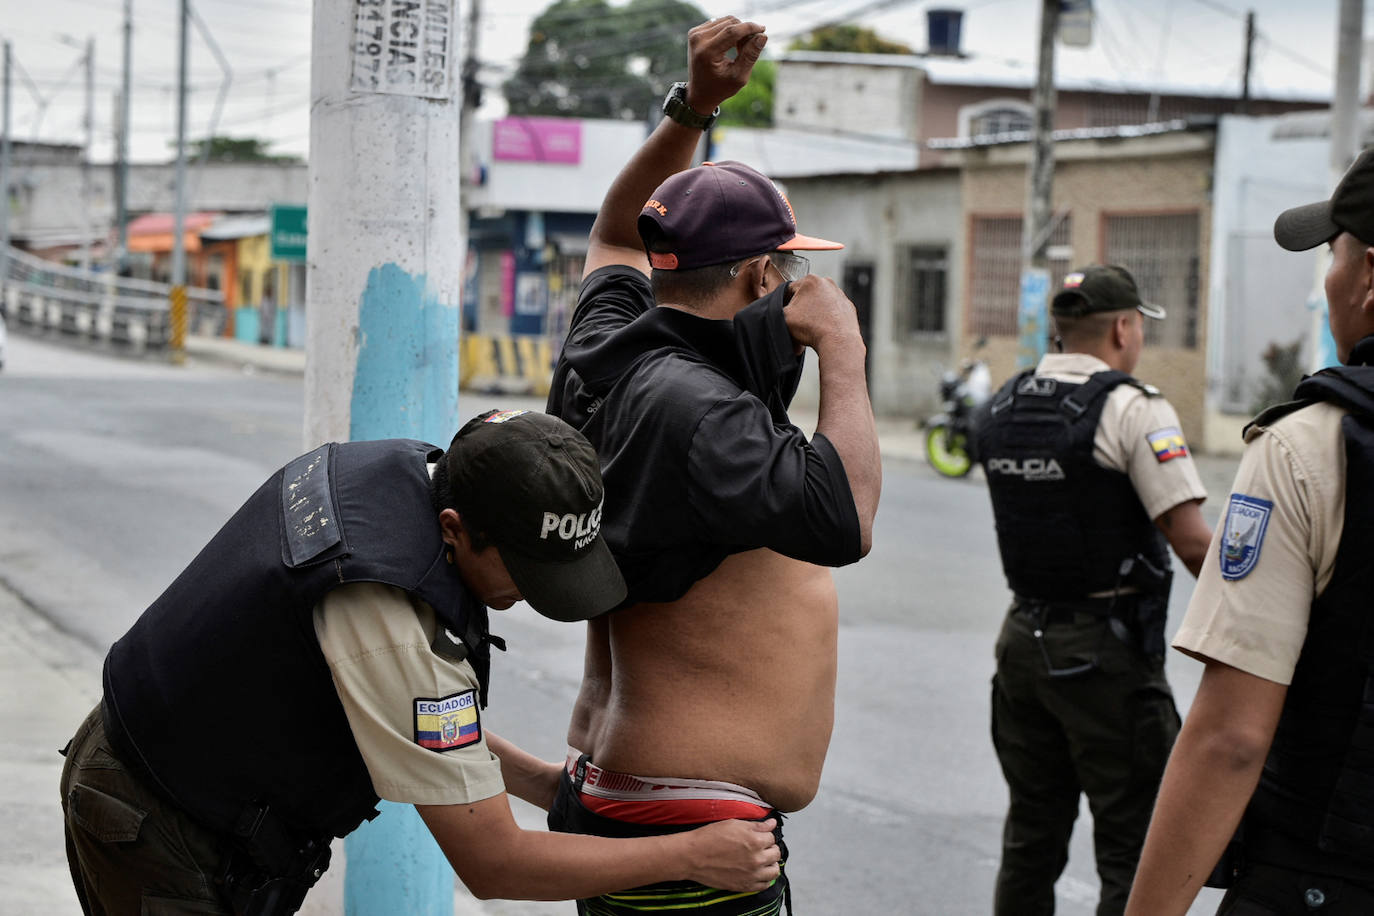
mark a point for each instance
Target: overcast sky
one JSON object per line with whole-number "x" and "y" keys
{"x": 1182, "y": 43}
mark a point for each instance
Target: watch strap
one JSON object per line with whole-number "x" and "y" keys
{"x": 675, "y": 106}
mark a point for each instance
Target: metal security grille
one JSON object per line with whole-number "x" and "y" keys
{"x": 995, "y": 277}
{"x": 925, "y": 272}
{"x": 1161, "y": 252}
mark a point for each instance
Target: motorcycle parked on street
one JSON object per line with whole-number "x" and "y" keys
{"x": 949, "y": 434}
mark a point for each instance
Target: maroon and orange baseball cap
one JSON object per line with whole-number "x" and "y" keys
{"x": 716, "y": 213}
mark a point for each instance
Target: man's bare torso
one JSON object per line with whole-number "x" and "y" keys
{"x": 735, "y": 681}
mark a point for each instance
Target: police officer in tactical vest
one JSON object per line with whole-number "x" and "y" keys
{"x": 329, "y": 647}
{"x": 1280, "y": 737}
{"x": 1091, "y": 481}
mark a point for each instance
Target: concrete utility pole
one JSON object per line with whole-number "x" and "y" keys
{"x": 472, "y": 93}
{"x": 1244, "y": 106}
{"x": 177, "y": 344}
{"x": 1345, "y": 145}
{"x": 5, "y": 174}
{"x": 88, "y": 223}
{"x": 122, "y": 145}
{"x": 1032, "y": 311}
{"x": 385, "y": 250}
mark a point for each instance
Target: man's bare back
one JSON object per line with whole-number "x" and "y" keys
{"x": 735, "y": 681}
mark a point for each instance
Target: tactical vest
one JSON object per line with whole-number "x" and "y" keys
{"x": 1065, "y": 523}
{"x": 1314, "y": 806}
{"x": 220, "y": 693}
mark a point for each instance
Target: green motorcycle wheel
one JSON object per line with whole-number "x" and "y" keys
{"x": 947, "y": 452}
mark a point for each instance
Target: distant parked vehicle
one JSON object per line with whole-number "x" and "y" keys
{"x": 949, "y": 434}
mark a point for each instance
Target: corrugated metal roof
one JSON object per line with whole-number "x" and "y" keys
{"x": 1076, "y": 133}
{"x": 1072, "y": 73}
{"x": 782, "y": 153}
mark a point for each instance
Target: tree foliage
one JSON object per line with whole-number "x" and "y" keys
{"x": 752, "y": 106}
{"x": 235, "y": 149}
{"x": 847, "y": 37}
{"x": 589, "y": 59}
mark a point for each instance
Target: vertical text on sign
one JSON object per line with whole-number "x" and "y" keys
{"x": 403, "y": 47}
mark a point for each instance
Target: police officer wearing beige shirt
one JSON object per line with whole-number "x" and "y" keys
{"x": 329, "y": 647}
{"x": 1278, "y": 740}
{"x": 1091, "y": 481}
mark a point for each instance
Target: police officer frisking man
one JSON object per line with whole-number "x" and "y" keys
{"x": 1278, "y": 737}
{"x": 329, "y": 647}
{"x": 1089, "y": 476}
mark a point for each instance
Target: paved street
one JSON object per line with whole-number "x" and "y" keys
{"x": 115, "y": 472}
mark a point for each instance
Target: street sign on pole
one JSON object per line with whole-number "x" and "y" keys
{"x": 1031, "y": 315}
{"x": 288, "y": 232}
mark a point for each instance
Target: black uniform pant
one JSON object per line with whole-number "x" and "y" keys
{"x": 1078, "y": 709}
{"x": 131, "y": 853}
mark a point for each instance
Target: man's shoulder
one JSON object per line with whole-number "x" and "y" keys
{"x": 1300, "y": 427}
{"x": 615, "y": 277}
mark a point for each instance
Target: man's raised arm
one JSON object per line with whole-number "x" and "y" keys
{"x": 712, "y": 77}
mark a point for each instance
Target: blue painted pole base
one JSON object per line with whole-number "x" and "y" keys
{"x": 395, "y": 866}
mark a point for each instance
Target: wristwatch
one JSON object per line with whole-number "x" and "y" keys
{"x": 675, "y": 106}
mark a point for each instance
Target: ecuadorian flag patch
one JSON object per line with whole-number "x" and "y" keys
{"x": 447, "y": 723}
{"x": 1168, "y": 444}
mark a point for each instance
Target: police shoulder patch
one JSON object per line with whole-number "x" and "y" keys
{"x": 1167, "y": 444}
{"x": 1242, "y": 536}
{"x": 446, "y": 723}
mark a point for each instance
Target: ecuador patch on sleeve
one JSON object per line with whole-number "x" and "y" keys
{"x": 1247, "y": 517}
{"x": 447, "y": 723}
{"x": 1168, "y": 444}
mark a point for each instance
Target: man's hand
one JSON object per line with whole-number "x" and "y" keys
{"x": 734, "y": 855}
{"x": 819, "y": 314}
{"x": 712, "y": 76}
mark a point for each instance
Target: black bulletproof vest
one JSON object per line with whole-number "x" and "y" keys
{"x": 220, "y": 691}
{"x": 1314, "y": 806}
{"x": 1064, "y": 522}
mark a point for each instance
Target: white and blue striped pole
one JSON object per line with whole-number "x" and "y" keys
{"x": 385, "y": 257}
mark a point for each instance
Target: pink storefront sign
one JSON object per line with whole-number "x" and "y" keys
{"x": 537, "y": 140}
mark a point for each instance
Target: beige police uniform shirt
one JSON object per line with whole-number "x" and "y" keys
{"x": 1137, "y": 435}
{"x": 414, "y": 712}
{"x": 1275, "y": 548}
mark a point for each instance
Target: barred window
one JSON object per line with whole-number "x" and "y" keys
{"x": 925, "y": 270}
{"x": 1000, "y": 121}
{"x": 995, "y": 280}
{"x": 1161, "y": 252}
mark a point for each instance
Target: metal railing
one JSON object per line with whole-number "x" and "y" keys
{"x": 45, "y": 297}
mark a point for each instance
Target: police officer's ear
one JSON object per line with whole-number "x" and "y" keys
{"x": 1120, "y": 330}
{"x": 451, "y": 529}
{"x": 1367, "y": 275}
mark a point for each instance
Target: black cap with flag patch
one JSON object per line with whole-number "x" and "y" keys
{"x": 533, "y": 484}
{"x": 1101, "y": 288}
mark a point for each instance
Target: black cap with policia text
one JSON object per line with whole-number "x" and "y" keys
{"x": 532, "y": 483}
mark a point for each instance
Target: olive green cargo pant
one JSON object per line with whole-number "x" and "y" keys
{"x": 129, "y": 851}
{"x": 1104, "y": 727}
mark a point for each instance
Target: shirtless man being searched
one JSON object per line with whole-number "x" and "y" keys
{"x": 717, "y": 680}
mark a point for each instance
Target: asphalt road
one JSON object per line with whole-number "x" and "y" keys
{"x": 114, "y": 472}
